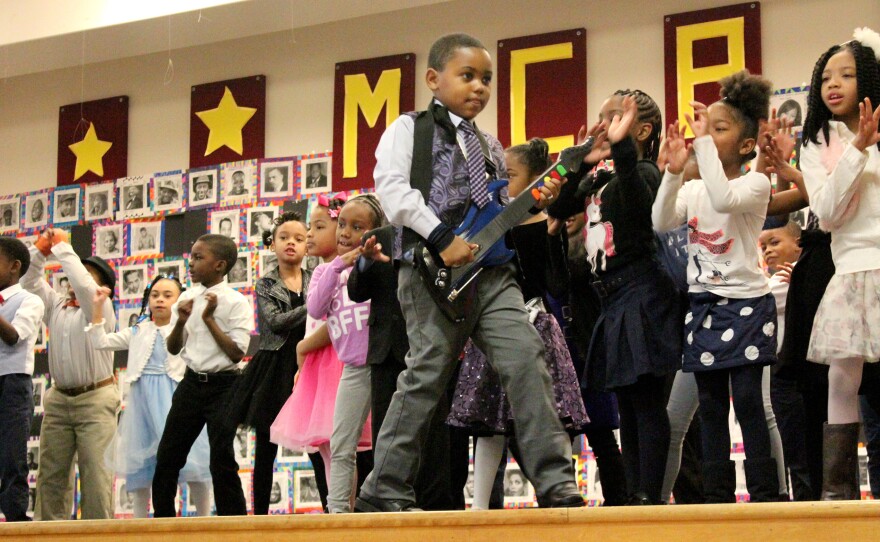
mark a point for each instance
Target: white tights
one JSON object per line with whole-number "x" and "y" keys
{"x": 140, "y": 499}
{"x": 487, "y": 457}
{"x": 844, "y": 379}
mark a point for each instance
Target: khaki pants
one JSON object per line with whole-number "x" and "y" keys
{"x": 83, "y": 426}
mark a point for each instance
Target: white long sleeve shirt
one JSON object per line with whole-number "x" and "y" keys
{"x": 853, "y": 178}
{"x": 724, "y": 220}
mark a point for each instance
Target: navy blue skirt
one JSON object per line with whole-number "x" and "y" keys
{"x": 638, "y": 333}
{"x": 721, "y": 333}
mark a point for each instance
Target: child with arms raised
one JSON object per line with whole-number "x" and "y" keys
{"x": 840, "y": 162}
{"x": 731, "y": 329}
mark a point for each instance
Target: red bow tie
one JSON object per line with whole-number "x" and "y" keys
{"x": 2, "y": 300}
{"x": 71, "y": 303}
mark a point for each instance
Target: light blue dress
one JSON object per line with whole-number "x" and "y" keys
{"x": 143, "y": 422}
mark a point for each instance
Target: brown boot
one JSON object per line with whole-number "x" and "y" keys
{"x": 840, "y": 462}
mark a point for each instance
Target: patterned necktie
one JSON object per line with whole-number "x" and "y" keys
{"x": 476, "y": 164}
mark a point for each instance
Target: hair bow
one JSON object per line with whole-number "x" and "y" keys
{"x": 325, "y": 201}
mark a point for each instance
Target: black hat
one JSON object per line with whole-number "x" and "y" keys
{"x": 104, "y": 269}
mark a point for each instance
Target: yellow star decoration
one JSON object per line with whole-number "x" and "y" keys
{"x": 225, "y": 123}
{"x": 90, "y": 153}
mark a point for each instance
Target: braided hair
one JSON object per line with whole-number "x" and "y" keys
{"x": 748, "y": 98}
{"x": 648, "y": 112}
{"x": 535, "y": 155}
{"x": 867, "y": 84}
{"x": 372, "y": 202}
{"x": 288, "y": 216}
{"x": 145, "y": 303}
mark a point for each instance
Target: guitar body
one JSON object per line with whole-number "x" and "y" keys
{"x": 452, "y": 287}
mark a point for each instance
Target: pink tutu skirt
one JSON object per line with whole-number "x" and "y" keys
{"x": 306, "y": 419}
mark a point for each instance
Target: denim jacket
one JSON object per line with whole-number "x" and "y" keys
{"x": 275, "y": 315}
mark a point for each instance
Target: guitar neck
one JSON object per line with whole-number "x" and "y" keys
{"x": 517, "y": 210}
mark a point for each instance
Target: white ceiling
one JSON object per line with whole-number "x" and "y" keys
{"x": 203, "y": 26}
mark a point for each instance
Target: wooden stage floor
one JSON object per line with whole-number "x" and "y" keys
{"x": 801, "y": 522}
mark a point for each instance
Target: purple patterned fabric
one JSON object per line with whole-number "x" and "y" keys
{"x": 476, "y": 164}
{"x": 480, "y": 405}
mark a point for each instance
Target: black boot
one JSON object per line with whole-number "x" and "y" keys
{"x": 612, "y": 479}
{"x": 719, "y": 481}
{"x": 840, "y": 462}
{"x": 761, "y": 479}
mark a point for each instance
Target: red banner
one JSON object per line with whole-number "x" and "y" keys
{"x": 227, "y": 121}
{"x": 702, "y": 47}
{"x": 542, "y": 88}
{"x": 366, "y": 91}
{"x": 93, "y": 141}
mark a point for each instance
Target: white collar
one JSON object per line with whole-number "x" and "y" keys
{"x": 10, "y": 291}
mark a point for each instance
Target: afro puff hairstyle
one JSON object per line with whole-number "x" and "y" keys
{"x": 748, "y": 96}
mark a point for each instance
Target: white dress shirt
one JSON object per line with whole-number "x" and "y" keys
{"x": 73, "y": 359}
{"x": 18, "y": 358}
{"x": 233, "y": 315}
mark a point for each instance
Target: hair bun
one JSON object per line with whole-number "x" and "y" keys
{"x": 539, "y": 148}
{"x": 267, "y": 237}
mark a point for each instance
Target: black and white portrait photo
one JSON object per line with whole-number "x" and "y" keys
{"x": 306, "y": 496}
{"x": 202, "y": 187}
{"x": 108, "y": 241}
{"x": 60, "y": 283}
{"x": 41, "y": 338}
{"x": 9, "y": 217}
{"x": 33, "y": 455}
{"x": 172, "y": 268}
{"x": 124, "y": 504}
{"x": 279, "y": 495}
{"x": 516, "y": 488}
{"x": 132, "y": 281}
{"x": 99, "y": 201}
{"x": 168, "y": 190}
{"x": 36, "y": 210}
{"x": 275, "y": 179}
{"x": 240, "y": 274}
{"x": 145, "y": 238}
{"x": 128, "y": 317}
{"x": 66, "y": 205}
{"x": 315, "y": 175}
{"x": 238, "y": 183}
{"x": 259, "y": 219}
{"x": 39, "y": 383}
{"x": 268, "y": 260}
{"x": 226, "y": 223}
{"x": 241, "y": 446}
{"x": 134, "y": 197}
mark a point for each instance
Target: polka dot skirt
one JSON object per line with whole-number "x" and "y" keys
{"x": 721, "y": 333}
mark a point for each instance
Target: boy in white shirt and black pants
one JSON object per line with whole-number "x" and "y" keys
{"x": 212, "y": 326}
{"x": 20, "y": 316}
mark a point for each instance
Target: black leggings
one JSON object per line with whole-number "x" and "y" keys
{"x": 644, "y": 434}
{"x": 748, "y": 404}
{"x": 264, "y": 465}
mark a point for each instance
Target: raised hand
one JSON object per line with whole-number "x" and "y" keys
{"x": 784, "y": 271}
{"x": 869, "y": 119}
{"x": 676, "y": 149}
{"x": 599, "y": 132}
{"x": 620, "y": 125}
{"x": 372, "y": 250}
{"x": 349, "y": 257}
{"x": 101, "y": 295}
{"x": 699, "y": 123}
{"x": 661, "y": 155}
{"x": 777, "y": 158}
{"x": 184, "y": 310}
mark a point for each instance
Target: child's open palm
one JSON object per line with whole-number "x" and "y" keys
{"x": 676, "y": 149}
{"x": 869, "y": 119}
{"x": 599, "y": 132}
{"x": 699, "y": 123}
{"x": 620, "y": 125}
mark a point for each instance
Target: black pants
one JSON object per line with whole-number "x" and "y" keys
{"x": 16, "y": 410}
{"x": 264, "y": 468}
{"x": 609, "y": 463}
{"x": 195, "y": 404}
{"x": 688, "y": 488}
{"x": 443, "y": 467}
{"x": 748, "y": 403}
{"x": 644, "y": 433}
{"x": 791, "y": 417}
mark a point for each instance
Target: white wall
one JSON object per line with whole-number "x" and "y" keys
{"x": 624, "y": 49}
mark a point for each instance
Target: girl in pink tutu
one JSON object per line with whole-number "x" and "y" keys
{"x": 306, "y": 419}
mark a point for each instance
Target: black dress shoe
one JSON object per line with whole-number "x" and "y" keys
{"x": 563, "y": 495}
{"x": 373, "y": 504}
{"x": 638, "y": 498}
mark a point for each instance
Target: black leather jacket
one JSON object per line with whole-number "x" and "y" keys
{"x": 276, "y": 316}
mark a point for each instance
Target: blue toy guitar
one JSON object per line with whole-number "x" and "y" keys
{"x": 486, "y": 228}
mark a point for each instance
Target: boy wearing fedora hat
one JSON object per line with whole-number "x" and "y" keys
{"x": 81, "y": 407}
